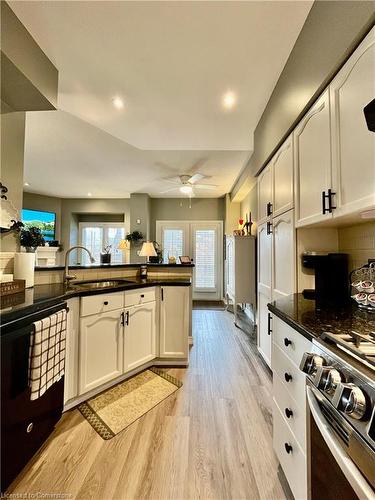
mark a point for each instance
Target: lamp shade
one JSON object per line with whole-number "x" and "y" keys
{"x": 123, "y": 245}
{"x": 148, "y": 250}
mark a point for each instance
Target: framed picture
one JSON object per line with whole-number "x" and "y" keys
{"x": 185, "y": 259}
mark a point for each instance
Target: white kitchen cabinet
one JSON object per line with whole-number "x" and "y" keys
{"x": 312, "y": 162}
{"x": 139, "y": 335}
{"x": 240, "y": 271}
{"x": 284, "y": 255}
{"x": 71, "y": 351}
{"x": 174, "y": 322}
{"x": 282, "y": 166}
{"x": 264, "y": 290}
{"x": 265, "y": 193}
{"x": 353, "y": 145}
{"x": 101, "y": 349}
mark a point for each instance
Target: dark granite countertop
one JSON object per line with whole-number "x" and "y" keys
{"x": 109, "y": 266}
{"x": 16, "y": 306}
{"x": 311, "y": 320}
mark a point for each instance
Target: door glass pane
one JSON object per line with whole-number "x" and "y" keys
{"x": 173, "y": 243}
{"x": 205, "y": 258}
{"x": 114, "y": 235}
{"x": 92, "y": 239}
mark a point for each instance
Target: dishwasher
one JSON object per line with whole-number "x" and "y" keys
{"x": 25, "y": 424}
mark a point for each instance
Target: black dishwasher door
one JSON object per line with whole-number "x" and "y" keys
{"x": 25, "y": 424}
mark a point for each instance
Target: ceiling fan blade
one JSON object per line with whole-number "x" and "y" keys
{"x": 194, "y": 169}
{"x": 172, "y": 180}
{"x": 168, "y": 190}
{"x": 196, "y": 178}
{"x": 205, "y": 186}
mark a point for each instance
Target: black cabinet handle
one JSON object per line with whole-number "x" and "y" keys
{"x": 269, "y": 208}
{"x": 288, "y": 377}
{"x": 324, "y": 208}
{"x": 287, "y": 341}
{"x": 269, "y": 319}
{"x": 122, "y": 319}
{"x": 330, "y": 196}
{"x": 288, "y": 448}
{"x": 162, "y": 294}
{"x": 288, "y": 412}
{"x": 127, "y": 318}
{"x": 269, "y": 226}
{"x": 105, "y": 302}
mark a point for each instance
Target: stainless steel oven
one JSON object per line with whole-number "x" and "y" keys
{"x": 341, "y": 427}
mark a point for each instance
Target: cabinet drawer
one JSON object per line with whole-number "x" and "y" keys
{"x": 294, "y": 414}
{"x": 293, "y": 463}
{"x": 139, "y": 296}
{"x": 291, "y": 342}
{"x": 291, "y": 376}
{"x": 104, "y": 302}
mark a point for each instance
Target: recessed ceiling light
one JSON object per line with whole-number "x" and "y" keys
{"x": 89, "y": 194}
{"x": 118, "y": 102}
{"x": 26, "y": 184}
{"x": 186, "y": 189}
{"x": 229, "y": 100}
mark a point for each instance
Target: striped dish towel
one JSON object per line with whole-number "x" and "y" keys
{"x": 47, "y": 353}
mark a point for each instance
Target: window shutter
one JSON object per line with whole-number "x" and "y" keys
{"x": 205, "y": 258}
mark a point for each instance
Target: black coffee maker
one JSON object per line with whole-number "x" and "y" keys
{"x": 331, "y": 277}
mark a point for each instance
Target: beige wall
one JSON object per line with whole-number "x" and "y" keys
{"x": 178, "y": 209}
{"x": 331, "y": 32}
{"x": 359, "y": 242}
{"x": 250, "y": 205}
{"x": 12, "y": 156}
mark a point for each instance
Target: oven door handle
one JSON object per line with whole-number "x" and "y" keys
{"x": 350, "y": 470}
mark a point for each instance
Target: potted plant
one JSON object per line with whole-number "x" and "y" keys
{"x": 134, "y": 237}
{"x": 105, "y": 255}
{"x": 31, "y": 239}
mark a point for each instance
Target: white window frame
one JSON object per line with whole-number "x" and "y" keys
{"x": 189, "y": 227}
{"x": 103, "y": 225}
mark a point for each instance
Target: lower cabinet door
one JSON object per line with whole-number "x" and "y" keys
{"x": 264, "y": 328}
{"x": 139, "y": 335}
{"x": 174, "y": 322}
{"x": 101, "y": 349}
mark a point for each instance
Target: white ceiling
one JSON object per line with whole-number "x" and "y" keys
{"x": 171, "y": 62}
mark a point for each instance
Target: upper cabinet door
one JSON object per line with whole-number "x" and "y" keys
{"x": 284, "y": 255}
{"x": 282, "y": 164}
{"x": 265, "y": 259}
{"x": 353, "y": 145}
{"x": 265, "y": 195}
{"x": 312, "y": 162}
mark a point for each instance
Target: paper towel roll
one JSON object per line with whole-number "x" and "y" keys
{"x": 24, "y": 264}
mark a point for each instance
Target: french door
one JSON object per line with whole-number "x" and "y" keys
{"x": 202, "y": 241}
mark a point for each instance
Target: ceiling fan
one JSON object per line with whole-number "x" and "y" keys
{"x": 186, "y": 184}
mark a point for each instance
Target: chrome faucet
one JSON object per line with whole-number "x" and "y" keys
{"x": 67, "y": 277}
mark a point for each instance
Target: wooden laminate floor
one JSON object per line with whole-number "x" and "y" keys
{"x": 212, "y": 439}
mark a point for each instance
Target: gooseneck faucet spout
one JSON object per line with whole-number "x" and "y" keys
{"x": 68, "y": 277}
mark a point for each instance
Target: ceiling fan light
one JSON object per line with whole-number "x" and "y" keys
{"x": 186, "y": 189}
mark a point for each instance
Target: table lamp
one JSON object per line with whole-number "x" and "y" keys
{"x": 124, "y": 245}
{"x": 148, "y": 250}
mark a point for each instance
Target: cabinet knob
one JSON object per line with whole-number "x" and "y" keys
{"x": 105, "y": 302}
{"x": 287, "y": 341}
{"x": 288, "y": 377}
{"x": 142, "y": 296}
{"x": 288, "y": 448}
{"x": 288, "y": 412}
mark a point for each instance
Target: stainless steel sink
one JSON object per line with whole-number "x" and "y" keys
{"x": 98, "y": 284}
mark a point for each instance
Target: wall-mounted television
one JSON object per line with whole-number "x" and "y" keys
{"x": 45, "y": 221}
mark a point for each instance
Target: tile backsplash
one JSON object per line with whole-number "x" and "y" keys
{"x": 359, "y": 242}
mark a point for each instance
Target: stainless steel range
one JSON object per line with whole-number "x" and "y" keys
{"x": 341, "y": 396}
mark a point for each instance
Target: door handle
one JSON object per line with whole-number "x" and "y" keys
{"x": 269, "y": 329}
